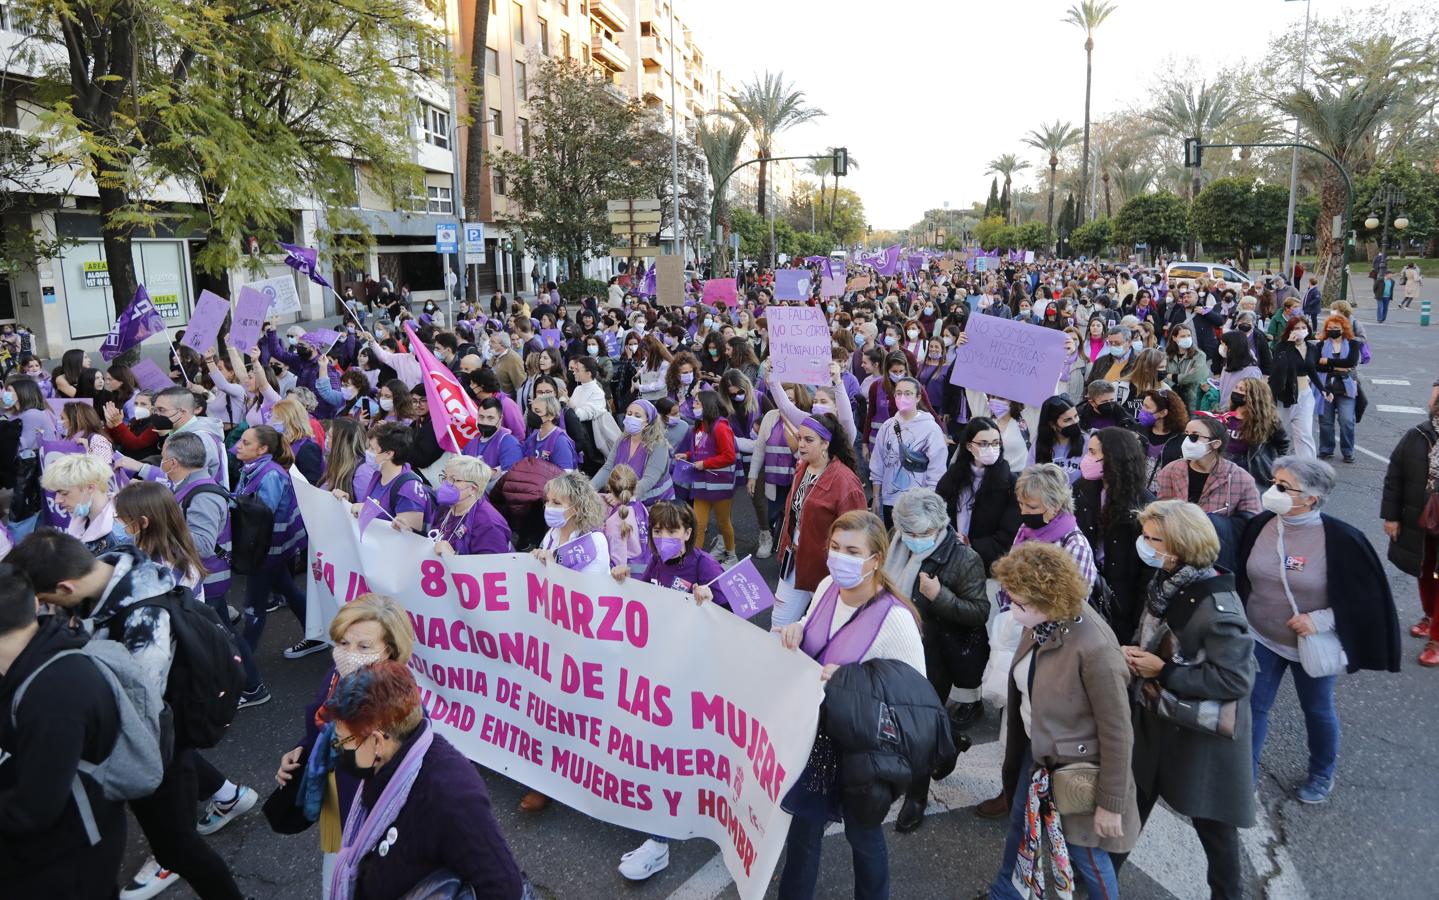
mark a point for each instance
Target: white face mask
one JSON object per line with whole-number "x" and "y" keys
{"x": 913, "y": 334}
{"x": 1277, "y": 501}
{"x": 1194, "y": 450}
{"x": 348, "y": 662}
{"x": 387, "y": 403}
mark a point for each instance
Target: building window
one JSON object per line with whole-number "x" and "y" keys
{"x": 440, "y": 199}
{"x": 518, "y": 27}
{"x": 522, "y": 82}
{"x": 565, "y": 6}
{"x": 492, "y": 62}
{"x": 497, "y": 184}
{"x": 10, "y": 19}
{"x": 585, "y": 53}
{"x": 436, "y": 124}
{"x": 522, "y": 128}
{"x": 431, "y": 56}
{"x": 544, "y": 37}
{"x": 565, "y": 44}
{"x": 496, "y": 125}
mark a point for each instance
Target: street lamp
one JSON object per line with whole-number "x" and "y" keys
{"x": 1390, "y": 197}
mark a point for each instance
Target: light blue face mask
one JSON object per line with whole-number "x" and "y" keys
{"x": 1147, "y": 554}
{"x": 920, "y": 544}
{"x": 83, "y": 510}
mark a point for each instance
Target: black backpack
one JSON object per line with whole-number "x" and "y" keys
{"x": 10, "y": 430}
{"x": 206, "y": 675}
{"x": 252, "y": 529}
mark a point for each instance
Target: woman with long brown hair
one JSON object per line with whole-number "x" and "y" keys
{"x": 1256, "y": 436}
{"x": 84, "y": 427}
{"x": 153, "y": 519}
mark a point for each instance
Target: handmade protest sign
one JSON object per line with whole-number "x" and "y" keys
{"x": 1013, "y": 360}
{"x": 792, "y": 284}
{"x": 284, "y": 299}
{"x": 205, "y": 321}
{"x": 831, "y": 287}
{"x": 857, "y": 283}
{"x": 150, "y": 376}
{"x": 551, "y": 337}
{"x": 799, "y": 343}
{"x": 721, "y": 291}
{"x": 250, "y": 312}
{"x": 669, "y": 281}
{"x": 589, "y": 691}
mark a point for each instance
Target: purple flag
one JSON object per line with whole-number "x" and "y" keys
{"x": 890, "y": 264}
{"x": 578, "y": 553}
{"x": 321, "y": 339}
{"x": 139, "y": 320}
{"x": 744, "y": 589}
{"x": 371, "y": 510}
{"x": 304, "y": 260}
{"x": 648, "y": 288}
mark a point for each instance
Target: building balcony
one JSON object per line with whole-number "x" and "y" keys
{"x": 611, "y": 13}
{"x": 653, "y": 50}
{"x": 655, "y": 84}
{"x": 608, "y": 52}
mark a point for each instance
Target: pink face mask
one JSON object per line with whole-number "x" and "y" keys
{"x": 905, "y": 402}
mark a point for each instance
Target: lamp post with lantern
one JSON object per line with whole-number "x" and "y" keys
{"x": 1390, "y": 197}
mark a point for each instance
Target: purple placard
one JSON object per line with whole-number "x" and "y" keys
{"x": 831, "y": 287}
{"x": 744, "y": 589}
{"x": 799, "y": 344}
{"x": 205, "y": 322}
{"x": 792, "y": 284}
{"x": 578, "y": 553}
{"x": 1008, "y": 359}
{"x": 321, "y": 339}
{"x": 150, "y": 376}
{"x": 53, "y": 515}
{"x": 57, "y": 404}
{"x": 250, "y": 312}
{"x": 550, "y": 337}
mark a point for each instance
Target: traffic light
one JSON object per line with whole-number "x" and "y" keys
{"x": 841, "y": 162}
{"x": 1193, "y": 153}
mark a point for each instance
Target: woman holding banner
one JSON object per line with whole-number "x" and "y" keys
{"x": 470, "y": 525}
{"x": 825, "y": 487}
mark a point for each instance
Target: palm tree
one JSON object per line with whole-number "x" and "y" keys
{"x": 1006, "y": 164}
{"x": 721, "y": 144}
{"x": 1187, "y": 111}
{"x": 1131, "y": 173}
{"x": 1342, "y": 121}
{"x": 769, "y": 106}
{"x": 1087, "y": 15}
{"x": 1053, "y": 139}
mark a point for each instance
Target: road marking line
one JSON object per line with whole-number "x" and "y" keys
{"x": 1399, "y": 381}
{"x": 1371, "y": 453}
{"x": 1413, "y": 410}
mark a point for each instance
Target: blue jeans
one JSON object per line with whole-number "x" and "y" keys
{"x": 274, "y": 578}
{"x": 802, "y": 851}
{"x": 1381, "y": 308}
{"x": 1316, "y": 699}
{"x": 1092, "y": 866}
{"x": 1344, "y": 408}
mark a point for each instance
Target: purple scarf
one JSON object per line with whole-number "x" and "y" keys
{"x": 854, "y": 638}
{"x": 1051, "y": 533}
{"x": 360, "y": 836}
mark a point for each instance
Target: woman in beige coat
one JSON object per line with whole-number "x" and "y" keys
{"x": 1069, "y": 710}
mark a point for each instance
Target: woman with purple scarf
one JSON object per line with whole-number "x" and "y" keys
{"x": 422, "y": 812}
{"x": 858, "y": 615}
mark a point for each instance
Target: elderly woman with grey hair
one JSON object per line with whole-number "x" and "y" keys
{"x": 929, "y": 563}
{"x": 1308, "y": 577}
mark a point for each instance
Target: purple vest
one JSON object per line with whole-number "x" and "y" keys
{"x": 709, "y": 484}
{"x": 217, "y": 566}
{"x": 854, "y": 638}
{"x": 778, "y": 458}
{"x": 637, "y": 460}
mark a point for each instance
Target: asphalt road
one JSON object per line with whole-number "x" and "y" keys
{"x": 1373, "y": 839}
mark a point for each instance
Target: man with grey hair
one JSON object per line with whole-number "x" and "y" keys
{"x": 175, "y": 412}
{"x": 1115, "y": 358}
{"x": 944, "y": 576}
{"x": 506, "y": 363}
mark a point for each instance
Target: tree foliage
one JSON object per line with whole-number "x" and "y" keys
{"x": 1092, "y": 237}
{"x": 990, "y": 232}
{"x": 1239, "y": 213}
{"x": 1159, "y": 220}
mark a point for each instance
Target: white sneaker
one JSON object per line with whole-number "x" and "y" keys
{"x": 217, "y": 815}
{"x": 766, "y": 546}
{"x": 148, "y": 882}
{"x": 648, "y": 858}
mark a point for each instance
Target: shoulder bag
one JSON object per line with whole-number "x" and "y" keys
{"x": 1321, "y": 654}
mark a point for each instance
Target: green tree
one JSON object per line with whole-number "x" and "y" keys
{"x": 26, "y": 170}
{"x": 769, "y": 106}
{"x": 847, "y": 221}
{"x": 1052, "y": 139}
{"x": 989, "y": 232}
{"x": 1419, "y": 185}
{"x": 1031, "y": 236}
{"x": 585, "y": 148}
{"x": 991, "y": 206}
{"x": 1087, "y": 15}
{"x": 1065, "y": 226}
{"x": 1159, "y": 220}
{"x": 721, "y": 142}
{"x": 1005, "y": 165}
{"x": 1092, "y": 238}
{"x": 1238, "y": 212}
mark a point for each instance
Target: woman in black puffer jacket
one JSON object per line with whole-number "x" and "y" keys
{"x": 978, "y": 492}
{"x": 1107, "y": 500}
{"x": 1408, "y": 484}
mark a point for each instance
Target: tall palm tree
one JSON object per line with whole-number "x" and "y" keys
{"x": 1130, "y": 171}
{"x": 1187, "y": 110}
{"x": 1342, "y": 121}
{"x": 769, "y": 106}
{"x": 1087, "y": 15}
{"x": 1054, "y": 139}
{"x": 721, "y": 144}
{"x": 1006, "y": 164}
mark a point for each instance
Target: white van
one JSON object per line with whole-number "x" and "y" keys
{"x": 1202, "y": 271}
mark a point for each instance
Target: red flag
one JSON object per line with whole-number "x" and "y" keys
{"x": 452, "y": 412}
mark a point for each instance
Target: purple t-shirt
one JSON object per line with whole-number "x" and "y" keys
{"x": 407, "y": 496}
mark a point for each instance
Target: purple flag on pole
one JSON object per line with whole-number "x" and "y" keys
{"x": 744, "y": 589}
{"x": 578, "y": 553}
{"x": 370, "y": 510}
{"x": 139, "y": 320}
{"x": 889, "y": 265}
{"x": 792, "y": 284}
{"x": 304, "y": 260}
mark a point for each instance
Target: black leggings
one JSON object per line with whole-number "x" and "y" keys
{"x": 167, "y": 817}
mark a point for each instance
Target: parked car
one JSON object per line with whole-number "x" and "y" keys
{"x": 1198, "y": 271}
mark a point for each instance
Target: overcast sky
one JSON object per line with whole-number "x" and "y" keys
{"x": 926, "y": 92}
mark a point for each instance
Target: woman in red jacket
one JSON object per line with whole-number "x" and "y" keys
{"x": 825, "y": 488}
{"x": 712, "y": 454}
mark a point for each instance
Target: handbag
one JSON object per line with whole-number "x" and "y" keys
{"x": 1074, "y": 788}
{"x": 282, "y": 808}
{"x": 1321, "y": 654}
{"x": 1429, "y": 516}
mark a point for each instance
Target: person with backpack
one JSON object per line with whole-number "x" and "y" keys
{"x": 123, "y": 596}
{"x": 67, "y": 719}
{"x": 265, "y": 475}
{"x": 399, "y": 493}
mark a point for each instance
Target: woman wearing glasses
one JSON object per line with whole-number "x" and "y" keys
{"x": 978, "y": 491}
{"x": 1204, "y": 476}
{"x": 471, "y": 525}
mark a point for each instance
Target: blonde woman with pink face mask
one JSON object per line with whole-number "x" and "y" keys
{"x": 909, "y": 450}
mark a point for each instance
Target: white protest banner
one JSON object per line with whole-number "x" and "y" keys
{"x": 626, "y": 703}
{"x": 284, "y": 299}
{"x": 799, "y": 342}
{"x": 1008, "y": 359}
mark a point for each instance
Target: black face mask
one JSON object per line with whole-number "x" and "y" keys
{"x": 1236, "y": 400}
{"x": 157, "y": 422}
{"x": 347, "y": 762}
{"x": 487, "y": 431}
{"x": 1071, "y": 430}
{"x": 1333, "y": 334}
{"x": 1033, "y": 521}
{"x": 1246, "y": 327}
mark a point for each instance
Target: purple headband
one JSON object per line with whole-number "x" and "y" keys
{"x": 813, "y": 424}
{"x": 649, "y": 408}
